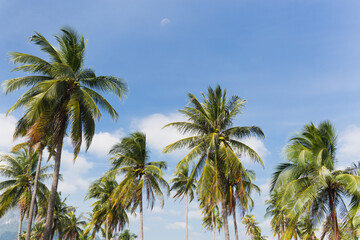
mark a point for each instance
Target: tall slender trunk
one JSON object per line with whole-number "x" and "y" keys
{"x": 107, "y": 229}
{"x": 282, "y": 224}
{"x": 235, "y": 225}
{"x": 225, "y": 220}
{"x": 115, "y": 233}
{"x": 22, "y": 214}
{"x": 333, "y": 216}
{"x": 141, "y": 219}
{"x": 50, "y": 210}
{"x": 186, "y": 217}
{"x": 33, "y": 197}
{"x": 53, "y": 231}
{"x": 213, "y": 224}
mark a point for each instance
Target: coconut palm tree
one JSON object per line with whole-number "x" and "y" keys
{"x": 63, "y": 87}
{"x": 37, "y": 231}
{"x": 212, "y": 220}
{"x": 19, "y": 168}
{"x": 72, "y": 226}
{"x": 278, "y": 213}
{"x": 127, "y": 235}
{"x": 60, "y": 215}
{"x": 252, "y": 228}
{"x": 307, "y": 229}
{"x": 37, "y": 136}
{"x": 104, "y": 210}
{"x": 310, "y": 182}
{"x": 130, "y": 158}
{"x": 214, "y": 142}
{"x": 239, "y": 190}
{"x": 184, "y": 187}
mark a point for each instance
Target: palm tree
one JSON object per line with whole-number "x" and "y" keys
{"x": 65, "y": 92}
{"x": 38, "y": 135}
{"x": 72, "y": 226}
{"x": 60, "y": 215}
{"x": 37, "y": 231}
{"x": 307, "y": 229}
{"x": 278, "y": 212}
{"x": 184, "y": 186}
{"x": 212, "y": 220}
{"x": 20, "y": 169}
{"x": 104, "y": 210}
{"x": 130, "y": 158}
{"x": 215, "y": 143}
{"x": 127, "y": 235}
{"x": 310, "y": 182}
{"x": 252, "y": 228}
{"x": 239, "y": 190}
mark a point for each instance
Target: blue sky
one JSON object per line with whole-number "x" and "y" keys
{"x": 293, "y": 61}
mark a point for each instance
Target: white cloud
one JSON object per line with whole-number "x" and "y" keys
{"x": 73, "y": 173}
{"x": 165, "y": 21}
{"x": 264, "y": 188}
{"x": 257, "y": 145}
{"x": 103, "y": 141}
{"x": 174, "y": 212}
{"x": 349, "y": 146}
{"x": 156, "y": 218}
{"x": 157, "y": 137}
{"x": 7, "y": 128}
{"x": 195, "y": 214}
{"x": 176, "y": 225}
{"x": 81, "y": 165}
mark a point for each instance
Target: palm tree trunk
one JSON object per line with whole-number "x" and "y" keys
{"x": 186, "y": 217}
{"x": 53, "y": 231}
{"x": 235, "y": 225}
{"x": 50, "y": 210}
{"x": 107, "y": 229}
{"x": 282, "y": 225}
{"x": 115, "y": 233}
{"x": 141, "y": 219}
{"x": 225, "y": 220}
{"x": 33, "y": 197}
{"x": 22, "y": 214}
{"x": 333, "y": 215}
{"x": 213, "y": 224}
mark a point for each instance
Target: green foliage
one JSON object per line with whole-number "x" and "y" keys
{"x": 130, "y": 158}
{"x": 127, "y": 235}
{"x": 105, "y": 212}
{"x": 310, "y": 185}
{"x": 62, "y": 85}
{"x": 19, "y": 169}
{"x": 212, "y": 218}
{"x": 252, "y": 227}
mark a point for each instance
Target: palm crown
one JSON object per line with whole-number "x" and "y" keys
{"x": 215, "y": 142}
{"x": 130, "y": 158}
{"x": 20, "y": 168}
{"x": 62, "y": 85}
{"x": 311, "y": 181}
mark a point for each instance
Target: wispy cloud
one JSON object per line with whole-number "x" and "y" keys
{"x": 7, "y": 128}
{"x": 349, "y": 142}
{"x": 164, "y": 21}
{"x": 157, "y": 137}
{"x": 176, "y": 225}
